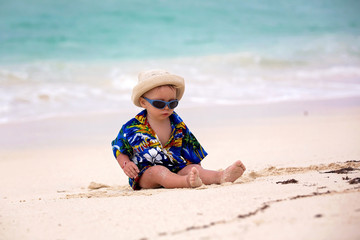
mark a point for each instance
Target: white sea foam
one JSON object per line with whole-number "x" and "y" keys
{"x": 46, "y": 89}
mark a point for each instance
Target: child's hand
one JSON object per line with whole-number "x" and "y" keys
{"x": 130, "y": 169}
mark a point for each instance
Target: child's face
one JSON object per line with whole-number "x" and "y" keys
{"x": 164, "y": 93}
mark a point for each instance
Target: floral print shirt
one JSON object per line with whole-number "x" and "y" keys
{"x": 140, "y": 143}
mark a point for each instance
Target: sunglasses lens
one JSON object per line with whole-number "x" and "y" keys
{"x": 158, "y": 104}
{"x": 173, "y": 104}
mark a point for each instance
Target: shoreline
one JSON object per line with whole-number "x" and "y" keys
{"x": 97, "y": 124}
{"x": 328, "y": 103}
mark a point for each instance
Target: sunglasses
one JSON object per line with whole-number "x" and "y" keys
{"x": 159, "y": 104}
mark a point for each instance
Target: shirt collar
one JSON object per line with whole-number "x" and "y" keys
{"x": 142, "y": 116}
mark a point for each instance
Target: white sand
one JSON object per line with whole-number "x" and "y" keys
{"x": 46, "y": 167}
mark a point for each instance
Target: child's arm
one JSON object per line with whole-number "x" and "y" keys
{"x": 129, "y": 168}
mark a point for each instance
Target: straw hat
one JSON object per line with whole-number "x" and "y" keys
{"x": 155, "y": 78}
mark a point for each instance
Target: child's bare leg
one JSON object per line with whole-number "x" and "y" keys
{"x": 230, "y": 174}
{"x": 157, "y": 176}
{"x": 233, "y": 172}
{"x": 207, "y": 176}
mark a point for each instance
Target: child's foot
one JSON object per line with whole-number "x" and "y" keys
{"x": 233, "y": 172}
{"x": 193, "y": 178}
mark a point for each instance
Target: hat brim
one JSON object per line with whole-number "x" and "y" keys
{"x": 156, "y": 81}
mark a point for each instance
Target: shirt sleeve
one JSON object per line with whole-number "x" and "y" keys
{"x": 121, "y": 144}
{"x": 191, "y": 149}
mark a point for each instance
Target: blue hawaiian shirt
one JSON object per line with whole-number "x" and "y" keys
{"x": 139, "y": 142}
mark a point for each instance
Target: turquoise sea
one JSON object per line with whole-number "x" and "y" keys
{"x": 67, "y": 57}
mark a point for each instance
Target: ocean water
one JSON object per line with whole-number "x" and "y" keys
{"x": 69, "y": 57}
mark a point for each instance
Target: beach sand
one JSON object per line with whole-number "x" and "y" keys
{"x": 59, "y": 179}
